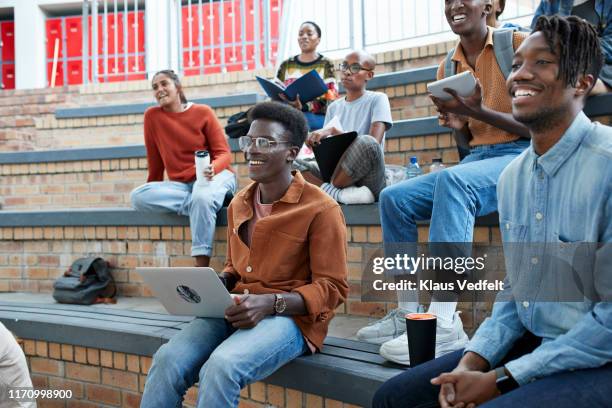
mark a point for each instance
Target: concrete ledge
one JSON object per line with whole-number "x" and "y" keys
{"x": 346, "y": 370}
{"x": 354, "y": 215}
{"x": 139, "y": 108}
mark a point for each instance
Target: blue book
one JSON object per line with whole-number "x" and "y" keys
{"x": 309, "y": 86}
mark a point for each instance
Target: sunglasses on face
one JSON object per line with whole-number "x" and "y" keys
{"x": 262, "y": 144}
{"x": 353, "y": 68}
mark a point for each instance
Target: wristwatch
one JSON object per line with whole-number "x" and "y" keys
{"x": 280, "y": 304}
{"x": 505, "y": 383}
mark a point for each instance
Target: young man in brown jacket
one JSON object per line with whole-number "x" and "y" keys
{"x": 286, "y": 256}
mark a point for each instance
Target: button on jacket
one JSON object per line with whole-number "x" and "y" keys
{"x": 300, "y": 247}
{"x": 562, "y": 198}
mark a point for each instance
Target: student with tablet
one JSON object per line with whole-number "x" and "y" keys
{"x": 359, "y": 175}
{"x": 454, "y": 197}
{"x": 287, "y": 296}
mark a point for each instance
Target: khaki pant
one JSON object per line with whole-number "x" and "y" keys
{"x": 13, "y": 370}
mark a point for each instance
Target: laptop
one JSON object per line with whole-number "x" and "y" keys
{"x": 188, "y": 291}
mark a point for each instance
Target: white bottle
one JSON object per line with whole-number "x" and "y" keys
{"x": 202, "y": 161}
{"x": 436, "y": 166}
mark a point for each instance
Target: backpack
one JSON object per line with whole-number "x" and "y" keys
{"x": 237, "y": 125}
{"x": 503, "y": 47}
{"x": 87, "y": 281}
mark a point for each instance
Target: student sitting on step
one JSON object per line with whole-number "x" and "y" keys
{"x": 286, "y": 257}
{"x": 360, "y": 175}
{"x": 173, "y": 132}
{"x": 13, "y": 371}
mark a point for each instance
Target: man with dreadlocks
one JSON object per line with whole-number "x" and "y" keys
{"x": 533, "y": 351}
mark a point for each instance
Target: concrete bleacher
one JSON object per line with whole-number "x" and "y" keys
{"x": 66, "y": 195}
{"x": 103, "y": 355}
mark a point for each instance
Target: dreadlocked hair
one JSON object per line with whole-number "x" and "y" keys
{"x": 576, "y": 42}
{"x": 177, "y": 82}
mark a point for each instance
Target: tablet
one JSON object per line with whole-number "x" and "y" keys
{"x": 463, "y": 83}
{"x": 188, "y": 291}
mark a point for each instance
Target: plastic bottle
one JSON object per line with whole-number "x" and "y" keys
{"x": 436, "y": 165}
{"x": 413, "y": 169}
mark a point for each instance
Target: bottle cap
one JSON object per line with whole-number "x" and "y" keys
{"x": 201, "y": 153}
{"x": 413, "y": 160}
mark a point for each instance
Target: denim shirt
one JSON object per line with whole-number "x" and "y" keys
{"x": 603, "y": 8}
{"x": 562, "y": 196}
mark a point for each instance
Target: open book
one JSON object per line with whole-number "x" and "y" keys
{"x": 309, "y": 86}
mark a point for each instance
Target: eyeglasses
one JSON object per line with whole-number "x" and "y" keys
{"x": 353, "y": 68}
{"x": 261, "y": 143}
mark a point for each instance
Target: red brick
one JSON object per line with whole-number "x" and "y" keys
{"x": 46, "y": 366}
{"x": 55, "y": 351}
{"x": 106, "y": 358}
{"x": 276, "y": 395}
{"x": 131, "y": 400}
{"x": 373, "y": 309}
{"x": 133, "y": 363}
{"x": 119, "y": 361}
{"x": 67, "y": 352}
{"x": 314, "y": 401}
{"x": 294, "y": 399}
{"x": 80, "y": 354}
{"x": 120, "y": 379}
{"x": 258, "y": 392}
{"x": 105, "y": 395}
{"x": 62, "y": 384}
{"x": 83, "y": 372}
{"x": 40, "y": 381}
{"x": 145, "y": 364}
{"x": 41, "y": 348}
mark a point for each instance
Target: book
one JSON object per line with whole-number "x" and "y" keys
{"x": 309, "y": 86}
{"x": 329, "y": 152}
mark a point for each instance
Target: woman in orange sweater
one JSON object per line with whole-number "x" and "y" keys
{"x": 173, "y": 132}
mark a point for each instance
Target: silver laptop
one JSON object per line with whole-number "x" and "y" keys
{"x": 188, "y": 291}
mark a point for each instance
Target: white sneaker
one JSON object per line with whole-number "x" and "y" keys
{"x": 356, "y": 195}
{"x": 448, "y": 338}
{"x": 385, "y": 329}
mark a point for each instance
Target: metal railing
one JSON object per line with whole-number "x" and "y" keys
{"x": 132, "y": 60}
{"x": 227, "y": 35}
{"x": 378, "y": 25}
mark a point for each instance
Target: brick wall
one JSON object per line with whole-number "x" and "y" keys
{"x": 104, "y": 379}
{"x": 32, "y": 258}
{"x": 27, "y": 120}
{"x": 107, "y": 183}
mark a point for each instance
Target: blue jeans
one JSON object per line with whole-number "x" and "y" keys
{"x": 222, "y": 359}
{"x": 451, "y": 198}
{"x": 581, "y": 388}
{"x": 200, "y": 202}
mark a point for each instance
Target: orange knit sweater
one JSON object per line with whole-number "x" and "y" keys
{"x": 172, "y": 139}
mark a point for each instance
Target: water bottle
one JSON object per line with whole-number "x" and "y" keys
{"x": 202, "y": 161}
{"x": 413, "y": 169}
{"x": 436, "y": 165}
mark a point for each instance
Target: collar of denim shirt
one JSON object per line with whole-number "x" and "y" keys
{"x": 553, "y": 159}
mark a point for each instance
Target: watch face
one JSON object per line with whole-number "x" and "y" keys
{"x": 280, "y": 304}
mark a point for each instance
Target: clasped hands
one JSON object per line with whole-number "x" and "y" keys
{"x": 454, "y": 113}
{"x": 466, "y": 388}
{"x": 248, "y": 310}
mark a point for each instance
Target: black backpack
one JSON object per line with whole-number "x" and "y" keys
{"x": 237, "y": 125}
{"x": 87, "y": 281}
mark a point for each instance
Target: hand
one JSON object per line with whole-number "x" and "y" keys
{"x": 450, "y": 120}
{"x": 249, "y": 310}
{"x": 463, "y": 388}
{"x": 209, "y": 172}
{"x": 296, "y": 103}
{"x": 468, "y": 106}
{"x": 314, "y": 138}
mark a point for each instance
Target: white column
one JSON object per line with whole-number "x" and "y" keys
{"x": 162, "y": 45}
{"x": 30, "y": 67}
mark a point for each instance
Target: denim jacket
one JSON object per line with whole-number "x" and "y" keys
{"x": 561, "y": 197}
{"x": 603, "y": 8}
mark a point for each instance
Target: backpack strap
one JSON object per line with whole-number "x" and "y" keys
{"x": 503, "y": 46}
{"x": 449, "y": 64}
